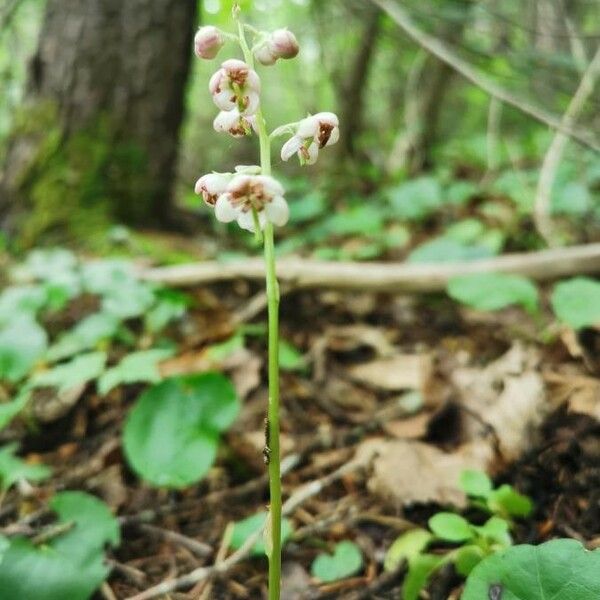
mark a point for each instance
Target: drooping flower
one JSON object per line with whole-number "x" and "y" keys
{"x": 211, "y": 186}
{"x": 312, "y": 134}
{"x": 281, "y": 43}
{"x": 235, "y": 85}
{"x": 250, "y": 195}
{"x": 208, "y": 41}
{"x": 234, "y": 123}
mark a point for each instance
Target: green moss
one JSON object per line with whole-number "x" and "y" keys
{"x": 75, "y": 187}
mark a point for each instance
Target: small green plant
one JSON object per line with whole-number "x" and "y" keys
{"x": 503, "y": 501}
{"x": 249, "y": 526}
{"x": 476, "y": 542}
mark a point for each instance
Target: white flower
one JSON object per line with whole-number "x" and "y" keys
{"x": 282, "y": 43}
{"x": 247, "y": 195}
{"x": 235, "y": 85}
{"x": 312, "y": 134}
{"x": 211, "y": 186}
{"x": 234, "y": 123}
{"x": 208, "y": 41}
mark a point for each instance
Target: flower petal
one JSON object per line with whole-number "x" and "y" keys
{"x": 278, "y": 211}
{"x": 224, "y": 211}
{"x": 308, "y": 127}
{"x": 334, "y": 137}
{"x": 291, "y": 147}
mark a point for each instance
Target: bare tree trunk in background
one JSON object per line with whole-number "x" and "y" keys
{"x": 98, "y": 132}
{"x": 353, "y": 92}
{"x": 430, "y": 82}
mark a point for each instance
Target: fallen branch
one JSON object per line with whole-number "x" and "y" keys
{"x": 385, "y": 277}
{"x": 488, "y": 85}
{"x": 543, "y": 205}
{"x": 294, "y": 501}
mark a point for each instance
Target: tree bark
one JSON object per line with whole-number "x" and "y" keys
{"x": 107, "y": 86}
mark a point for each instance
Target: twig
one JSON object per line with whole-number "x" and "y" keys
{"x": 542, "y": 206}
{"x": 296, "y": 499}
{"x": 221, "y": 555}
{"x": 198, "y": 548}
{"x": 390, "y": 277}
{"x": 439, "y": 49}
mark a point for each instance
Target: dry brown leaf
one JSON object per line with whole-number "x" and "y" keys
{"x": 407, "y": 472}
{"x": 412, "y": 428}
{"x": 399, "y": 372}
{"x": 507, "y": 395}
{"x": 242, "y": 365}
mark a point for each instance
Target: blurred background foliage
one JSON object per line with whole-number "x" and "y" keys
{"x": 428, "y": 168}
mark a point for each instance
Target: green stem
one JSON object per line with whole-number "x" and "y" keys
{"x": 273, "y": 370}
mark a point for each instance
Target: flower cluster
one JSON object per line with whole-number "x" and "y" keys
{"x": 312, "y": 134}
{"x": 248, "y": 196}
{"x": 245, "y": 197}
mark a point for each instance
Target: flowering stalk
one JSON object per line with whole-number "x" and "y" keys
{"x": 256, "y": 201}
{"x": 273, "y": 454}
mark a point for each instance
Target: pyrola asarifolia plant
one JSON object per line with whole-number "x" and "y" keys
{"x": 253, "y": 198}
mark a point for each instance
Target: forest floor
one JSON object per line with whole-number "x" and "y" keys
{"x": 392, "y": 398}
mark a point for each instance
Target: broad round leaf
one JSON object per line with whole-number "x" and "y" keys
{"x": 450, "y": 527}
{"x": 346, "y": 560}
{"x": 494, "y": 291}
{"x": 576, "y": 302}
{"x": 172, "y": 433}
{"x": 467, "y": 558}
{"x": 560, "y": 570}
{"x": 70, "y": 566}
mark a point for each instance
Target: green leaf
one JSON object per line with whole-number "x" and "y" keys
{"x": 242, "y": 530}
{"x": 131, "y": 300}
{"x": 408, "y": 546}
{"x": 219, "y": 352}
{"x": 494, "y": 291}
{"x": 576, "y": 302}
{"x": 467, "y": 558}
{"x": 22, "y": 343}
{"x": 104, "y": 277}
{"x": 475, "y": 483}
{"x": 416, "y": 199}
{"x": 67, "y": 376}
{"x": 346, "y": 561}
{"x": 135, "y": 367}
{"x": 13, "y": 468}
{"x": 420, "y": 569}
{"x": 506, "y": 500}
{"x": 9, "y": 410}
{"x": 450, "y": 527}
{"x": 170, "y": 305}
{"x": 172, "y": 432}
{"x": 556, "y": 570}
{"x": 290, "y": 358}
{"x": 496, "y": 530}
{"x": 307, "y": 208}
{"x": 68, "y": 566}
{"x": 19, "y": 301}
{"x": 86, "y": 335}
{"x": 445, "y": 250}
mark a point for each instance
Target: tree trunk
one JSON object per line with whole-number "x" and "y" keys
{"x": 98, "y": 134}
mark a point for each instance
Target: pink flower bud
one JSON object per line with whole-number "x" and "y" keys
{"x": 235, "y": 85}
{"x": 284, "y": 44}
{"x": 264, "y": 55}
{"x": 234, "y": 123}
{"x": 211, "y": 186}
{"x": 207, "y": 42}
